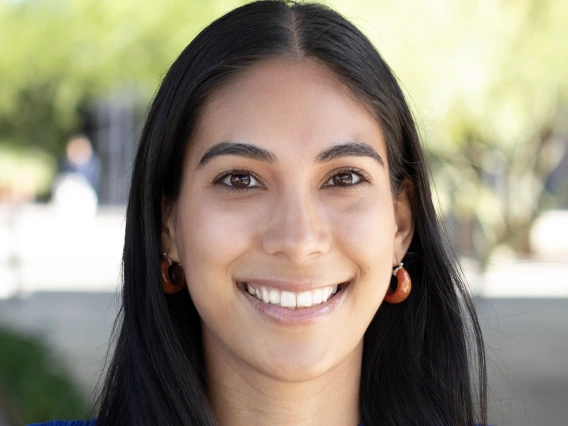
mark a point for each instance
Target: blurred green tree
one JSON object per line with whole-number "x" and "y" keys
{"x": 505, "y": 124}
{"x": 60, "y": 55}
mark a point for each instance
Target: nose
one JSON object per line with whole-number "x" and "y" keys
{"x": 296, "y": 228}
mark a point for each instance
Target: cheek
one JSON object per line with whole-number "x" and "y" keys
{"x": 366, "y": 237}
{"x": 210, "y": 237}
{"x": 366, "y": 229}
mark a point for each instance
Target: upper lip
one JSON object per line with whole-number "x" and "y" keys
{"x": 295, "y": 286}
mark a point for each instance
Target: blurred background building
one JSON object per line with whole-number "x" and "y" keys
{"x": 488, "y": 83}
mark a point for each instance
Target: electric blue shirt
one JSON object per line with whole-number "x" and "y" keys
{"x": 73, "y": 423}
{"x": 67, "y": 423}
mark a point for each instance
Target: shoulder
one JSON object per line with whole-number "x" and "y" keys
{"x": 67, "y": 423}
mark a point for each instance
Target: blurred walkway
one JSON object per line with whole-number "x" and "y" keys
{"x": 527, "y": 350}
{"x": 44, "y": 249}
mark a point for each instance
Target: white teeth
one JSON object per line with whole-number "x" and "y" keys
{"x": 265, "y": 295}
{"x": 317, "y": 296}
{"x": 288, "y": 299}
{"x": 275, "y": 297}
{"x": 325, "y": 292}
{"x": 304, "y": 299}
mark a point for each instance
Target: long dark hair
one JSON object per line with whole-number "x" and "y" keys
{"x": 423, "y": 360}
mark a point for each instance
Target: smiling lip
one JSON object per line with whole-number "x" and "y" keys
{"x": 294, "y": 317}
{"x": 292, "y": 286}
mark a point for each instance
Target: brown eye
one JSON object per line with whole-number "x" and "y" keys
{"x": 344, "y": 179}
{"x": 240, "y": 181}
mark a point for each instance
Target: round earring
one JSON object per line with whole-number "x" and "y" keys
{"x": 403, "y": 287}
{"x": 173, "y": 277}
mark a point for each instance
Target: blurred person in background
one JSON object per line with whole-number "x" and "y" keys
{"x": 75, "y": 187}
{"x": 81, "y": 159}
{"x": 280, "y": 208}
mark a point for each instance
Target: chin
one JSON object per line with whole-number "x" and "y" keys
{"x": 296, "y": 365}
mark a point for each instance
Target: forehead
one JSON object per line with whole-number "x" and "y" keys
{"x": 292, "y": 104}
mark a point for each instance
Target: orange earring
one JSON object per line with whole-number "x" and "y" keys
{"x": 173, "y": 277}
{"x": 403, "y": 287}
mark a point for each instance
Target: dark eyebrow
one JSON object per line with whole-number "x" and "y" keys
{"x": 350, "y": 149}
{"x": 237, "y": 148}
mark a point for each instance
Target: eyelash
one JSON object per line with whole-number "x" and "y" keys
{"x": 241, "y": 171}
{"x": 364, "y": 179}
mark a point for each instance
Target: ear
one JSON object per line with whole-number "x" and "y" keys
{"x": 404, "y": 221}
{"x": 168, "y": 229}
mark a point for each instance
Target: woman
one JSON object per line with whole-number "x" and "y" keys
{"x": 280, "y": 171}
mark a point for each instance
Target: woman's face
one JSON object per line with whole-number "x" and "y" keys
{"x": 285, "y": 194}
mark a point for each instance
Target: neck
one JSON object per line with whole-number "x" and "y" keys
{"x": 240, "y": 395}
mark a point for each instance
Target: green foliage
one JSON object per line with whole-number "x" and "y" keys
{"x": 60, "y": 55}
{"x": 34, "y": 385}
{"x": 29, "y": 168}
